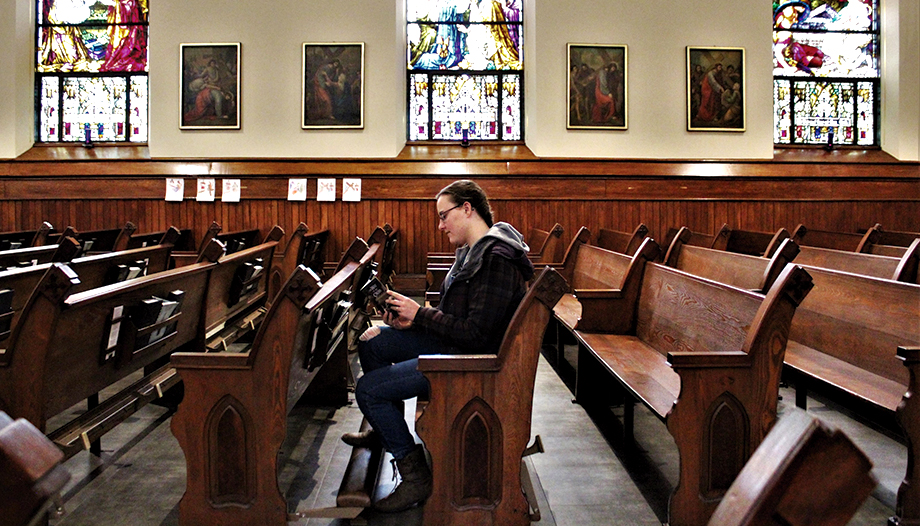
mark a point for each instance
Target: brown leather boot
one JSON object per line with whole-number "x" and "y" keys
{"x": 369, "y": 439}
{"x": 415, "y": 487}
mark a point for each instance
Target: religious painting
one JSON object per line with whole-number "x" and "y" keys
{"x": 715, "y": 89}
{"x": 598, "y": 92}
{"x": 209, "y": 96}
{"x": 333, "y": 85}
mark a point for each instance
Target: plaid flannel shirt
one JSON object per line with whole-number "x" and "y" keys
{"x": 474, "y": 313}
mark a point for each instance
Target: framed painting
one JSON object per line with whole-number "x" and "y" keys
{"x": 209, "y": 86}
{"x": 598, "y": 86}
{"x": 715, "y": 89}
{"x": 333, "y": 85}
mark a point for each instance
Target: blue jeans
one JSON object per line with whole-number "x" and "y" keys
{"x": 390, "y": 364}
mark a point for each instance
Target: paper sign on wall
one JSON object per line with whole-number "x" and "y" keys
{"x": 351, "y": 190}
{"x": 297, "y": 189}
{"x": 325, "y": 189}
{"x": 231, "y": 191}
{"x": 207, "y": 190}
{"x": 175, "y": 188}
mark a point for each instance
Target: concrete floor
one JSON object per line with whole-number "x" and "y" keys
{"x": 586, "y": 476}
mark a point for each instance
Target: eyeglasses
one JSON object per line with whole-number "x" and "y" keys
{"x": 443, "y": 214}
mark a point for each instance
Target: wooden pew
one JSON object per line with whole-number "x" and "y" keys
{"x": 904, "y": 268}
{"x": 748, "y": 241}
{"x": 752, "y": 273}
{"x": 25, "y": 238}
{"x": 859, "y": 337}
{"x": 622, "y": 242}
{"x": 238, "y": 291}
{"x": 67, "y": 347}
{"x": 804, "y": 473}
{"x": 63, "y": 252}
{"x": 697, "y": 239}
{"x": 705, "y": 358}
{"x": 96, "y": 241}
{"x": 232, "y": 420}
{"x": 852, "y": 242}
{"x": 476, "y": 434}
{"x": 183, "y": 239}
{"x": 303, "y": 248}
{"x": 596, "y": 276}
{"x": 32, "y": 476}
{"x": 896, "y": 238}
{"x": 94, "y": 271}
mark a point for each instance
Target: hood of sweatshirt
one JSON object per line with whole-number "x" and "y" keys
{"x": 502, "y": 239}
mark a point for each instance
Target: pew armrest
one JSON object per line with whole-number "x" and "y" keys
{"x": 458, "y": 362}
{"x": 604, "y": 310}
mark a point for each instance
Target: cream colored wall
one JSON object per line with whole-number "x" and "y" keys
{"x": 16, "y": 80}
{"x": 271, "y": 35}
{"x": 901, "y": 79}
{"x": 656, "y": 32}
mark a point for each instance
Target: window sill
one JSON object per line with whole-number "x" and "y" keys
{"x": 76, "y": 152}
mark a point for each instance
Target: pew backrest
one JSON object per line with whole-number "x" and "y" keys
{"x": 94, "y": 271}
{"x": 903, "y": 268}
{"x": 67, "y": 347}
{"x": 740, "y": 270}
{"x": 860, "y": 320}
{"x": 622, "y": 242}
{"x": 849, "y": 241}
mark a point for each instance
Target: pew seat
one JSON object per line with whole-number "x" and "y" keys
{"x": 232, "y": 420}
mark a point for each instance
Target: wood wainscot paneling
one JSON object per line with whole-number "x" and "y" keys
{"x": 830, "y": 191}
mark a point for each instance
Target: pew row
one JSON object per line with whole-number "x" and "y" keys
{"x": 25, "y": 238}
{"x": 752, "y": 273}
{"x": 703, "y": 357}
{"x": 804, "y": 473}
{"x": 859, "y": 337}
{"x": 94, "y": 271}
{"x": 848, "y": 241}
{"x": 232, "y": 420}
{"x": 68, "y": 347}
{"x": 122, "y": 328}
{"x": 63, "y": 252}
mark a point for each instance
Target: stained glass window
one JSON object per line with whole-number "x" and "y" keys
{"x": 91, "y": 70}
{"x": 465, "y": 70}
{"x": 826, "y": 72}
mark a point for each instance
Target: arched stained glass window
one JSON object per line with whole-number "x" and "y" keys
{"x": 91, "y": 70}
{"x": 465, "y": 70}
{"x": 826, "y": 72}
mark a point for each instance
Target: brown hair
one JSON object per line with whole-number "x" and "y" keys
{"x": 466, "y": 191}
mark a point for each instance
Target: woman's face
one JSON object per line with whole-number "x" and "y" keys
{"x": 452, "y": 220}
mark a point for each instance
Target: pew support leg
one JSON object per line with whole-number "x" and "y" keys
{"x": 95, "y": 448}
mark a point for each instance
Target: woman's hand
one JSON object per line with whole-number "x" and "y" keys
{"x": 400, "y": 312}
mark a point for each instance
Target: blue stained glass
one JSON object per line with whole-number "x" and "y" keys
{"x": 465, "y": 35}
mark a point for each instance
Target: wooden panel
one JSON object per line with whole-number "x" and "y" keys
{"x": 101, "y": 189}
